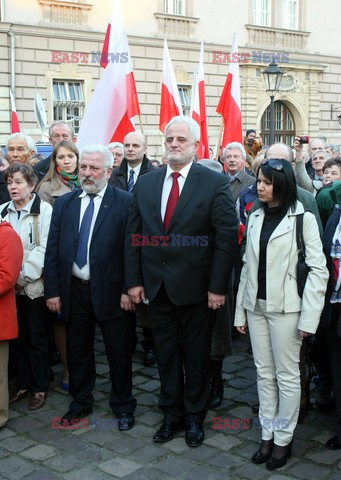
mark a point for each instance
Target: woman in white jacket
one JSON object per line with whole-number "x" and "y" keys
{"x": 30, "y": 218}
{"x": 269, "y": 304}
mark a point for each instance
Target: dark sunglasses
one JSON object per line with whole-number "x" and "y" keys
{"x": 274, "y": 163}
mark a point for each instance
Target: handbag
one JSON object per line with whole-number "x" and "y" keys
{"x": 302, "y": 268}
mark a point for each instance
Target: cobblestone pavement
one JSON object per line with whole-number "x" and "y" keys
{"x": 31, "y": 449}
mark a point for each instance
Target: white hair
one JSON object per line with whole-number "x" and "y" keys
{"x": 116, "y": 145}
{"x": 192, "y": 125}
{"x": 101, "y": 149}
{"x": 30, "y": 143}
{"x": 232, "y": 145}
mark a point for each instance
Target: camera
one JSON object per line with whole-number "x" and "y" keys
{"x": 304, "y": 139}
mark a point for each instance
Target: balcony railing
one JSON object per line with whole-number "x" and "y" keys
{"x": 175, "y": 25}
{"x": 278, "y": 38}
{"x": 65, "y": 12}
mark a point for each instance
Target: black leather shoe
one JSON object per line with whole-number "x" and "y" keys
{"x": 165, "y": 432}
{"x": 263, "y": 453}
{"x": 149, "y": 358}
{"x": 126, "y": 421}
{"x": 194, "y": 434}
{"x": 279, "y": 461}
{"x": 334, "y": 443}
{"x": 216, "y": 393}
{"x": 72, "y": 417}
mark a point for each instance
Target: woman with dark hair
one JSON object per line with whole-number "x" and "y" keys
{"x": 30, "y": 218}
{"x": 61, "y": 178}
{"x": 62, "y": 175}
{"x": 269, "y": 304}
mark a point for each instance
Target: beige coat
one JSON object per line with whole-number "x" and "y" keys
{"x": 48, "y": 192}
{"x": 281, "y": 261}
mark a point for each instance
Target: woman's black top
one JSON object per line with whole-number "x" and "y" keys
{"x": 272, "y": 218}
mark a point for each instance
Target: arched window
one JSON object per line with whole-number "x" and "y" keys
{"x": 284, "y": 125}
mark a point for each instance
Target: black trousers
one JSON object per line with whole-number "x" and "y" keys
{"x": 334, "y": 346}
{"x": 32, "y": 345}
{"x": 80, "y": 336}
{"x": 182, "y": 336}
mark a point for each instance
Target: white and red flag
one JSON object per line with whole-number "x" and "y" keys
{"x": 15, "y": 127}
{"x": 198, "y": 106}
{"x": 114, "y": 103}
{"x": 170, "y": 99}
{"x": 229, "y": 106}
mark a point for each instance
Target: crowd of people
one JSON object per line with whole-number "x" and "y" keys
{"x": 184, "y": 247}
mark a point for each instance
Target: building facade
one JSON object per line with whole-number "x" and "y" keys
{"x": 50, "y": 47}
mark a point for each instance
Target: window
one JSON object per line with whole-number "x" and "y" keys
{"x": 185, "y": 98}
{"x": 261, "y": 12}
{"x": 68, "y": 102}
{"x": 284, "y": 125}
{"x": 174, "y": 7}
{"x": 290, "y": 14}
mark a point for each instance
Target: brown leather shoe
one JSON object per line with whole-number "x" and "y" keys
{"x": 37, "y": 400}
{"x": 17, "y": 396}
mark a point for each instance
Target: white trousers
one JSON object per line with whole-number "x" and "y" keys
{"x": 3, "y": 383}
{"x": 276, "y": 350}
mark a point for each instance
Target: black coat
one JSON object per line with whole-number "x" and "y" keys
{"x": 119, "y": 175}
{"x": 106, "y": 251}
{"x": 204, "y": 216}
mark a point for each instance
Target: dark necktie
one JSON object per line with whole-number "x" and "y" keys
{"x": 84, "y": 232}
{"x": 172, "y": 199}
{"x": 131, "y": 181}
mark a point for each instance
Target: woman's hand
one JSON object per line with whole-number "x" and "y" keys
{"x": 304, "y": 334}
{"x": 242, "y": 329}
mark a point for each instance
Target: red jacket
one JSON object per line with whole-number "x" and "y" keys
{"x": 11, "y": 255}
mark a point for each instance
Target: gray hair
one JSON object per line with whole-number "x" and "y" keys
{"x": 61, "y": 122}
{"x": 231, "y": 146}
{"x": 102, "y": 150}
{"x": 30, "y": 143}
{"x": 116, "y": 145}
{"x": 192, "y": 125}
{"x": 334, "y": 148}
{"x": 211, "y": 164}
{"x": 315, "y": 140}
{"x": 320, "y": 152}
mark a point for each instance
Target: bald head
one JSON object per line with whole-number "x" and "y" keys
{"x": 280, "y": 150}
{"x": 134, "y": 148}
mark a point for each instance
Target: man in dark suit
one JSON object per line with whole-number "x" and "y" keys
{"x": 234, "y": 157}
{"x": 84, "y": 278}
{"x": 133, "y": 166}
{"x": 180, "y": 242}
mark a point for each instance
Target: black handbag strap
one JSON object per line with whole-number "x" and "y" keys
{"x": 299, "y": 234}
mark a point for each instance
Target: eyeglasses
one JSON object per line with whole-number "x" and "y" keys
{"x": 274, "y": 163}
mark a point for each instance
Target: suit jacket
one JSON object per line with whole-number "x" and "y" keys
{"x": 240, "y": 183}
{"x": 4, "y": 195}
{"x": 202, "y": 237}
{"x": 105, "y": 256}
{"x": 119, "y": 177}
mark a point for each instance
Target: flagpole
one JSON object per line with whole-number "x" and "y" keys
{"x": 141, "y": 124}
{"x": 220, "y": 134}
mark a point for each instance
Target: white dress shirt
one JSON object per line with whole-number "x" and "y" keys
{"x": 136, "y": 171}
{"x": 84, "y": 273}
{"x": 167, "y": 185}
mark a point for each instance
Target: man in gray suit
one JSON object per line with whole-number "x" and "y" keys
{"x": 234, "y": 157}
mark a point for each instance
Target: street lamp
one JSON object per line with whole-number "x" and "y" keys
{"x": 272, "y": 78}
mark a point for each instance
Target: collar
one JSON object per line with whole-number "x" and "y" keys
{"x": 136, "y": 169}
{"x": 32, "y": 207}
{"x": 183, "y": 172}
{"x": 99, "y": 194}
